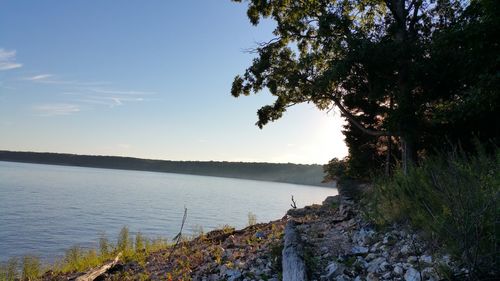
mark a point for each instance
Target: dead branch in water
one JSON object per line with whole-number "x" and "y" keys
{"x": 178, "y": 237}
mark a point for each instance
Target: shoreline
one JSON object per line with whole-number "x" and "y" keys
{"x": 336, "y": 243}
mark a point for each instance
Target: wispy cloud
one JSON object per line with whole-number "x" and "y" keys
{"x": 53, "y": 79}
{"x": 40, "y": 77}
{"x": 120, "y": 92}
{"x": 56, "y": 109}
{"x": 110, "y": 101}
{"x": 8, "y": 60}
{"x": 110, "y": 97}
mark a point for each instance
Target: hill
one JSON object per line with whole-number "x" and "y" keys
{"x": 286, "y": 173}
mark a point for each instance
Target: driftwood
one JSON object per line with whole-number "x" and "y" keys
{"x": 93, "y": 274}
{"x": 294, "y": 267}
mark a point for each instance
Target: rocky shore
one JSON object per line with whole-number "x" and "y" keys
{"x": 333, "y": 240}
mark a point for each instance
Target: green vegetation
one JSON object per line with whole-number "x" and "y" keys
{"x": 132, "y": 248}
{"x": 78, "y": 259}
{"x": 9, "y": 270}
{"x": 406, "y": 74}
{"x": 29, "y": 269}
{"x": 411, "y": 77}
{"x": 452, "y": 197}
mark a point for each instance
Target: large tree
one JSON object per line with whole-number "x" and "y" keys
{"x": 369, "y": 58}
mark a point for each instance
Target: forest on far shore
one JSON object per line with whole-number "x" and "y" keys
{"x": 286, "y": 173}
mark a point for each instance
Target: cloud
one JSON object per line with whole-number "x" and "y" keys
{"x": 52, "y": 79}
{"x": 41, "y": 77}
{"x": 110, "y": 101}
{"x": 120, "y": 92}
{"x": 7, "y": 60}
{"x": 56, "y": 109}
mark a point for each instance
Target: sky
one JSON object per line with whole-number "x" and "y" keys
{"x": 148, "y": 79}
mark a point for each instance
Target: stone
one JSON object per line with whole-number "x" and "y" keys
{"x": 371, "y": 277}
{"x": 342, "y": 278}
{"x": 260, "y": 235}
{"x": 429, "y": 273}
{"x": 362, "y": 236}
{"x": 370, "y": 256}
{"x": 426, "y": 259}
{"x": 387, "y": 275}
{"x": 405, "y": 249}
{"x": 359, "y": 250}
{"x": 412, "y": 259}
{"x": 334, "y": 269}
{"x": 384, "y": 266}
{"x": 375, "y": 247}
{"x": 374, "y": 265}
{"x": 233, "y": 275}
{"x": 412, "y": 275}
{"x": 398, "y": 270}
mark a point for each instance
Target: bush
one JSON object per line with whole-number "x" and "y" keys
{"x": 452, "y": 196}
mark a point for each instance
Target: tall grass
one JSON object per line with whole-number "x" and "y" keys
{"x": 453, "y": 197}
{"x": 77, "y": 259}
{"x": 9, "y": 270}
{"x": 132, "y": 248}
{"x": 29, "y": 269}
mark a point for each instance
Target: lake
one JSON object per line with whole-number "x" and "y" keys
{"x": 46, "y": 209}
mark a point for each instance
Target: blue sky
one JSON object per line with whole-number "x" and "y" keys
{"x": 145, "y": 79}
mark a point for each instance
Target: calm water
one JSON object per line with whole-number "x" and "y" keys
{"x": 46, "y": 209}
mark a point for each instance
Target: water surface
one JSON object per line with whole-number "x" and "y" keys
{"x": 46, "y": 209}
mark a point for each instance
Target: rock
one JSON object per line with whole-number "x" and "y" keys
{"x": 405, "y": 249}
{"x": 375, "y": 247}
{"x": 233, "y": 275}
{"x": 370, "y": 256}
{"x": 374, "y": 265}
{"x": 429, "y": 273}
{"x": 362, "y": 236}
{"x": 412, "y": 259}
{"x": 412, "y": 275}
{"x": 371, "y": 277}
{"x": 384, "y": 265}
{"x": 387, "y": 275}
{"x": 398, "y": 270}
{"x": 334, "y": 269}
{"x": 426, "y": 259}
{"x": 260, "y": 235}
{"x": 358, "y": 278}
{"x": 359, "y": 250}
{"x": 342, "y": 278}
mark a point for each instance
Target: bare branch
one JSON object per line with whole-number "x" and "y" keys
{"x": 352, "y": 120}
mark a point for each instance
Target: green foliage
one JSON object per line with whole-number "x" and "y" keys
{"x": 31, "y": 268}
{"x": 335, "y": 170}
{"x": 132, "y": 249}
{"x": 452, "y": 196}
{"x": 124, "y": 243}
{"x": 9, "y": 270}
{"x": 418, "y": 71}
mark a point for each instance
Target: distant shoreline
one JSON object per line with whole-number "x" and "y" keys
{"x": 302, "y": 174}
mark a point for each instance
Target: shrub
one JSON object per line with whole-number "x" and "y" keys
{"x": 453, "y": 196}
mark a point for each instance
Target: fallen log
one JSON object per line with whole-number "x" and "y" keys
{"x": 294, "y": 266}
{"x": 93, "y": 274}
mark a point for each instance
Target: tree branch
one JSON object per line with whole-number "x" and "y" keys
{"x": 353, "y": 121}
